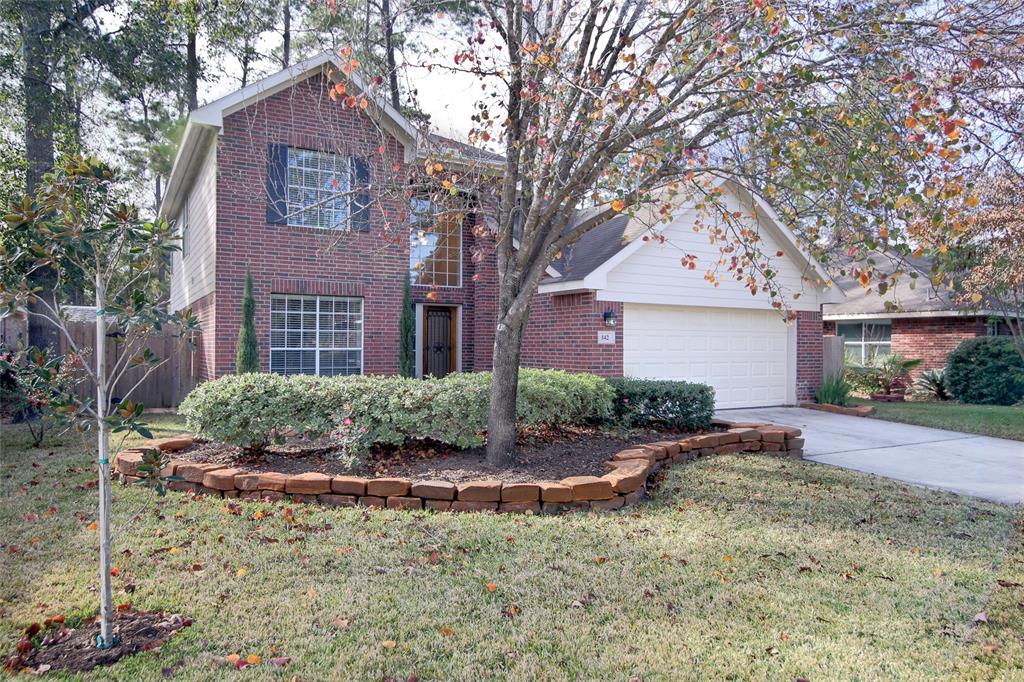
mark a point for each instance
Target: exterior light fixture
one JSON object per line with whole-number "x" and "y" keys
{"x": 609, "y": 318}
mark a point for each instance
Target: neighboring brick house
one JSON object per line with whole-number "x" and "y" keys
{"x": 919, "y": 321}
{"x": 256, "y": 185}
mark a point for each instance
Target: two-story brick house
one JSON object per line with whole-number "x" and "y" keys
{"x": 259, "y": 183}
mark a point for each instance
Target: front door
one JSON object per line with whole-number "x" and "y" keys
{"x": 438, "y": 340}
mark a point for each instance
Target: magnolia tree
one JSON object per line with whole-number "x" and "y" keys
{"x": 845, "y": 119}
{"x": 78, "y": 226}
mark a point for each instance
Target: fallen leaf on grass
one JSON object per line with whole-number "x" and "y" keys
{"x": 281, "y": 661}
{"x": 341, "y": 623}
{"x": 600, "y": 559}
{"x": 979, "y": 618}
{"x": 990, "y": 647}
{"x": 938, "y": 572}
{"x": 389, "y": 644}
{"x": 92, "y": 526}
{"x": 491, "y": 587}
{"x": 253, "y": 659}
{"x": 240, "y": 572}
{"x": 447, "y": 631}
{"x": 1008, "y": 583}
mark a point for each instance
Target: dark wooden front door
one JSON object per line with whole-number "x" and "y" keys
{"x": 439, "y": 341}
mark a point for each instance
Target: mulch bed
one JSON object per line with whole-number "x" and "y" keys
{"x": 544, "y": 454}
{"x": 74, "y": 650}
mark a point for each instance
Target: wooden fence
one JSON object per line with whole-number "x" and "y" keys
{"x": 166, "y": 386}
{"x": 833, "y": 355}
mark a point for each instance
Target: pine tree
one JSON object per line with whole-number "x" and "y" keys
{"x": 247, "y": 350}
{"x": 406, "y": 334}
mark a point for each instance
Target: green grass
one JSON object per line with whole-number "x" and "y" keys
{"x": 988, "y": 420}
{"x": 742, "y": 567}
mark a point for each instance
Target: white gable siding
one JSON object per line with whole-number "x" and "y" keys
{"x": 192, "y": 277}
{"x": 653, "y": 273}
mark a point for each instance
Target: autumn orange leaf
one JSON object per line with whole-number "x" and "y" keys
{"x": 447, "y": 631}
{"x": 618, "y": 205}
{"x": 491, "y": 587}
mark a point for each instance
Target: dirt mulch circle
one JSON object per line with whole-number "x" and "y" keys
{"x": 544, "y": 454}
{"x": 75, "y": 650}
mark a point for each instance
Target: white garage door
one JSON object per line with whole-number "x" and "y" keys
{"x": 743, "y": 354}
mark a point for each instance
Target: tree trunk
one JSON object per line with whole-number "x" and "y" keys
{"x": 389, "y": 52}
{"x": 508, "y": 345}
{"x": 35, "y": 30}
{"x": 106, "y": 639}
{"x": 192, "y": 71}
{"x": 286, "y": 35}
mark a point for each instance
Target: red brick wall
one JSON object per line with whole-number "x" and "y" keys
{"x": 932, "y": 338}
{"x": 287, "y": 259}
{"x": 562, "y": 333}
{"x": 808, "y": 354}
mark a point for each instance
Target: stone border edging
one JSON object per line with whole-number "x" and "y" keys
{"x": 625, "y": 484}
{"x": 855, "y": 411}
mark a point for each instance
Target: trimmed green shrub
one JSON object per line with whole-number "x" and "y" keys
{"x": 676, "y": 404}
{"x": 986, "y": 370}
{"x": 254, "y": 410}
{"x": 834, "y": 390}
{"x": 550, "y": 396}
{"x": 248, "y": 410}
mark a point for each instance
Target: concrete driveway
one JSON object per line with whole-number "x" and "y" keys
{"x": 980, "y": 466}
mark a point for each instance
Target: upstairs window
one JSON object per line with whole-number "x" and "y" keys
{"x": 435, "y": 245}
{"x": 865, "y": 341}
{"x": 318, "y": 189}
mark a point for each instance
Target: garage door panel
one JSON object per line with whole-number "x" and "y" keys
{"x": 743, "y": 354}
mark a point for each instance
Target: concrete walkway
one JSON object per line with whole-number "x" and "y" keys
{"x": 980, "y": 466}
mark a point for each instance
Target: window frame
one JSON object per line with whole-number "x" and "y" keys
{"x": 414, "y": 273}
{"x": 292, "y": 211}
{"x": 317, "y": 349}
{"x": 863, "y": 344}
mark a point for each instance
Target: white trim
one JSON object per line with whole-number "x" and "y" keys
{"x": 570, "y": 287}
{"x": 840, "y": 317}
{"x": 791, "y": 363}
{"x": 417, "y": 353}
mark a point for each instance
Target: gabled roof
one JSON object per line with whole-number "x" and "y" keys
{"x": 207, "y": 121}
{"x": 585, "y": 264}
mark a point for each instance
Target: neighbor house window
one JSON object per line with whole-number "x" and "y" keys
{"x": 435, "y": 245}
{"x": 316, "y": 335}
{"x": 864, "y": 341}
{"x": 318, "y": 186}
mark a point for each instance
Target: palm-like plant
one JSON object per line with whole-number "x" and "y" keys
{"x": 932, "y": 384}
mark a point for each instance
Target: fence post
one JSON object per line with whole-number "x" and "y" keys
{"x": 833, "y": 356}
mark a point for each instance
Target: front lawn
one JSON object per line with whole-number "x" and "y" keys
{"x": 988, "y": 420}
{"x": 742, "y": 567}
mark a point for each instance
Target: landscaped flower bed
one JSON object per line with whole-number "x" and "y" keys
{"x": 625, "y": 483}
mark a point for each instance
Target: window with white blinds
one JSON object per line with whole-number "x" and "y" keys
{"x": 316, "y": 335}
{"x": 318, "y": 186}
